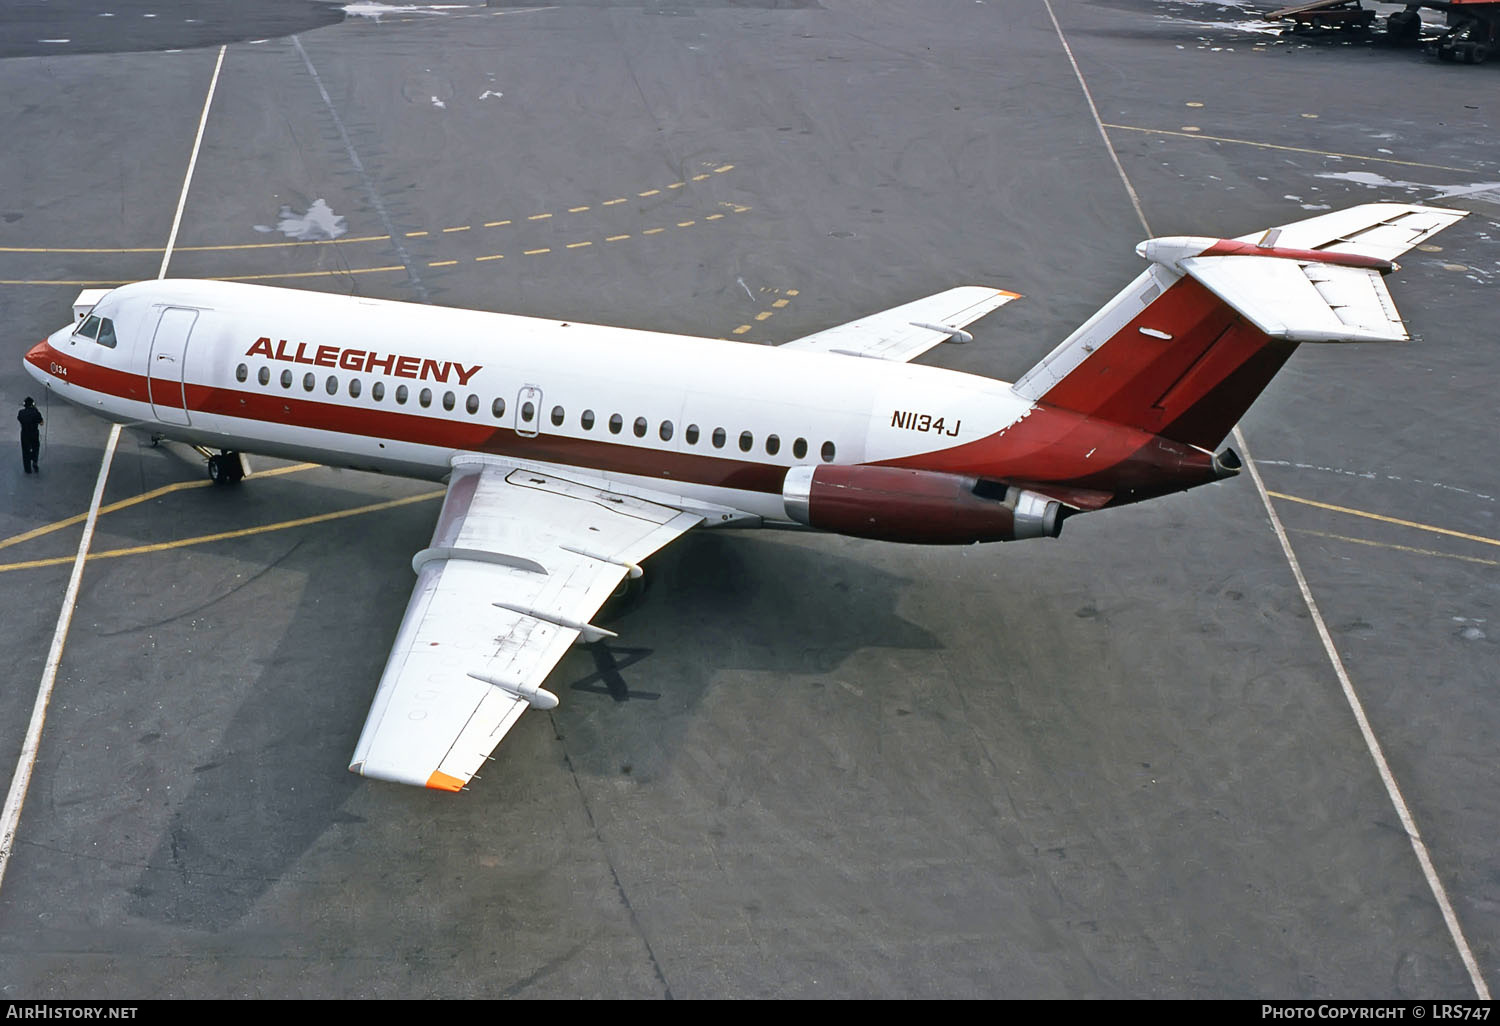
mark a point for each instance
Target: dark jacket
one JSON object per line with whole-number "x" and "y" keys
{"x": 31, "y": 419}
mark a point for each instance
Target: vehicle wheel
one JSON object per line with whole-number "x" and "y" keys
{"x": 1478, "y": 53}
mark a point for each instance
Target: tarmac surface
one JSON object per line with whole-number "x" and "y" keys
{"x": 1120, "y": 764}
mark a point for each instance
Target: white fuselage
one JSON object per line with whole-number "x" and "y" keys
{"x": 401, "y": 388}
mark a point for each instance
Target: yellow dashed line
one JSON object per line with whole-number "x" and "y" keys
{"x": 1387, "y": 520}
{"x": 578, "y": 245}
{"x": 442, "y": 263}
{"x": 356, "y": 239}
{"x": 686, "y": 224}
{"x": 742, "y": 329}
{"x": 763, "y": 315}
{"x": 780, "y": 303}
{"x": 713, "y": 217}
{"x": 534, "y": 252}
{"x": 492, "y": 256}
{"x": 616, "y": 238}
{"x": 792, "y": 292}
{"x": 652, "y": 231}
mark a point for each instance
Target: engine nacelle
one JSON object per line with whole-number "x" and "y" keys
{"x": 896, "y": 504}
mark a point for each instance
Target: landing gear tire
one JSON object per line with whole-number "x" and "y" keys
{"x": 225, "y": 469}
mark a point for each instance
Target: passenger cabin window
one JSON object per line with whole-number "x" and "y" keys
{"x": 616, "y": 422}
{"x": 424, "y": 398}
{"x": 401, "y": 394}
{"x": 828, "y": 452}
{"x": 497, "y": 408}
{"x": 639, "y": 427}
{"x": 263, "y": 375}
{"x": 691, "y": 434}
{"x": 587, "y": 420}
{"x": 557, "y": 416}
{"x": 377, "y": 391}
{"x": 718, "y": 438}
{"x": 332, "y": 385}
{"x": 472, "y": 404}
{"x": 286, "y": 379}
{"x": 354, "y": 388}
{"x": 309, "y": 382}
{"x": 746, "y": 441}
{"x": 241, "y": 372}
{"x": 528, "y": 411}
{"x": 773, "y": 445}
{"x": 665, "y": 431}
{"x": 449, "y": 400}
{"x": 799, "y": 448}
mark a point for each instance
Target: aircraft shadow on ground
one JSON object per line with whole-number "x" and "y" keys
{"x": 727, "y": 601}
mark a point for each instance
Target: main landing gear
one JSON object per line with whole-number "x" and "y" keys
{"x": 225, "y": 468}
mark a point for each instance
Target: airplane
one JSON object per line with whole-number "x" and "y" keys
{"x": 573, "y": 451}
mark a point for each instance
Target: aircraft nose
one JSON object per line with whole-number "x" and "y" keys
{"x": 37, "y": 355}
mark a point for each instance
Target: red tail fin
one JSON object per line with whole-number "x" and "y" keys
{"x": 1185, "y": 366}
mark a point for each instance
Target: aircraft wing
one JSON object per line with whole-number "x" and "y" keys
{"x": 519, "y": 562}
{"x": 1384, "y": 230}
{"x": 905, "y": 332}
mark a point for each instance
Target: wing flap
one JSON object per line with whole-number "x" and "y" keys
{"x": 905, "y": 332}
{"x": 520, "y": 561}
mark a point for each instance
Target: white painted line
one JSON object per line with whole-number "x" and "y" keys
{"x": 213, "y": 84}
{"x": 1376, "y": 753}
{"x": 1371, "y": 743}
{"x": 20, "y": 781}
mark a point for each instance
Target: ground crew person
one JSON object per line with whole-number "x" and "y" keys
{"x": 31, "y": 439}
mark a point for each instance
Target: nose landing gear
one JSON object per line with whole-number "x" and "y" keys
{"x": 227, "y": 468}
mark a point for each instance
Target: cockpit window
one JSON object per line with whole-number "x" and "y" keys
{"x": 106, "y": 332}
{"x": 90, "y": 327}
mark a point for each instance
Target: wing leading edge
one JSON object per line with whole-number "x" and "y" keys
{"x": 520, "y": 561}
{"x": 905, "y": 332}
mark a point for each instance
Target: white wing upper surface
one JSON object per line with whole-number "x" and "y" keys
{"x": 1384, "y": 230}
{"x": 905, "y": 332}
{"x": 1303, "y": 302}
{"x": 1308, "y": 301}
{"x": 519, "y": 562}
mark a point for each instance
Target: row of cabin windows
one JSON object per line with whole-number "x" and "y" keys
{"x": 691, "y": 434}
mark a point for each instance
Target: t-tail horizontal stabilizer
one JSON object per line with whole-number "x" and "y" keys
{"x": 1188, "y": 345}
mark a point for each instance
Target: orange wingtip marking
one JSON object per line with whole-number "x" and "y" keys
{"x": 440, "y": 781}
